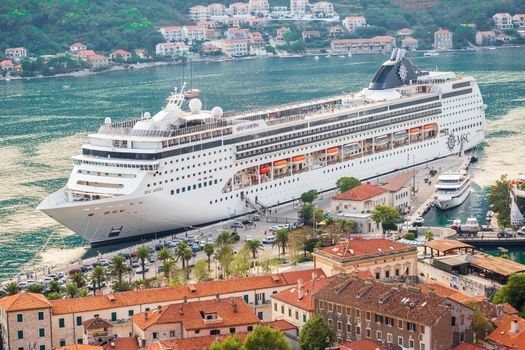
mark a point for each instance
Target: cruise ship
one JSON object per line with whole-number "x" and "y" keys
{"x": 452, "y": 189}
{"x": 185, "y": 166}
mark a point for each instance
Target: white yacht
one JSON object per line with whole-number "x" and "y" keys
{"x": 452, "y": 189}
{"x": 185, "y": 167}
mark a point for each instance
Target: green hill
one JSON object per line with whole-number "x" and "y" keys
{"x": 48, "y": 26}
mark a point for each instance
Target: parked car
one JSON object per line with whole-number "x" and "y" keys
{"x": 504, "y": 234}
{"x": 22, "y": 285}
{"x": 269, "y": 240}
{"x": 139, "y": 270}
{"x": 126, "y": 256}
{"x": 86, "y": 268}
{"x": 105, "y": 262}
{"x": 236, "y": 224}
{"x": 196, "y": 247}
{"x": 90, "y": 285}
{"x": 73, "y": 271}
{"x": 247, "y": 238}
{"x": 60, "y": 274}
{"x": 521, "y": 231}
{"x": 135, "y": 264}
{"x": 256, "y": 218}
{"x": 30, "y": 282}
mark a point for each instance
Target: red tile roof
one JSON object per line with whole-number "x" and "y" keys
{"x": 24, "y": 301}
{"x": 230, "y": 312}
{"x": 468, "y": 346}
{"x": 442, "y": 31}
{"x": 171, "y": 28}
{"x": 127, "y": 343}
{"x": 405, "y": 31}
{"x": 86, "y": 52}
{"x": 409, "y": 39}
{"x": 80, "y": 347}
{"x": 203, "y": 289}
{"x": 397, "y": 182}
{"x": 364, "y": 344}
{"x": 359, "y": 248}
{"x": 121, "y": 52}
{"x": 303, "y": 298}
{"x": 362, "y": 192}
{"x": 281, "y": 325}
{"x": 6, "y": 63}
{"x": 505, "y": 337}
{"x": 193, "y": 343}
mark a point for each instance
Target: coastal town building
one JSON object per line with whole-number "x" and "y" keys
{"x": 377, "y": 44}
{"x": 503, "y": 21}
{"x": 310, "y": 34}
{"x": 363, "y": 344}
{"x": 485, "y": 38}
{"x": 296, "y": 304}
{"x": 194, "y": 319}
{"x": 351, "y": 23}
{"x": 236, "y": 33}
{"x": 323, "y": 9}
{"x": 409, "y": 43}
{"x": 258, "y": 7}
{"x": 197, "y": 33}
{"x": 216, "y": 10}
{"x": 120, "y": 55}
{"x": 141, "y": 53}
{"x": 76, "y": 47}
{"x": 239, "y": 9}
{"x": 405, "y": 32}
{"x": 279, "y": 37}
{"x": 518, "y": 20}
{"x": 357, "y": 204}
{"x": 85, "y": 54}
{"x": 15, "y": 53}
{"x": 171, "y": 49}
{"x": 236, "y": 47}
{"x": 298, "y": 7}
{"x": 199, "y": 13}
{"x": 63, "y": 320}
{"x": 98, "y": 61}
{"x": 384, "y": 259}
{"x": 172, "y": 33}
{"x": 336, "y": 30}
{"x": 386, "y": 313}
{"x": 443, "y": 40}
{"x": 256, "y": 40}
{"x": 502, "y": 38}
{"x": 7, "y": 65}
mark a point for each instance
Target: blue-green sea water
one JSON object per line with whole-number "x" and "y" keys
{"x": 43, "y": 122}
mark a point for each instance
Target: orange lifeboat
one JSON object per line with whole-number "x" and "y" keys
{"x": 298, "y": 159}
{"x": 264, "y": 169}
{"x": 429, "y": 127}
{"x": 333, "y": 150}
{"x": 415, "y": 130}
{"x": 280, "y": 163}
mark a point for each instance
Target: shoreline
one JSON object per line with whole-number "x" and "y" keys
{"x": 147, "y": 65}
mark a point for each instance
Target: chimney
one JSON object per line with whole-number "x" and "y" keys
{"x": 499, "y": 310}
{"x": 142, "y": 342}
{"x": 514, "y": 326}
{"x": 314, "y": 275}
{"x": 217, "y": 298}
{"x": 234, "y": 306}
{"x": 112, "y": 344}
{"x": 146, "y": 316}
{"x": 181, "y": 310}
{"x": 299, "y": 289}
{"x": 185, "y": 299}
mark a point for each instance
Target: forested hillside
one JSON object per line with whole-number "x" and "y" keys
{"x": 48, "y": 26}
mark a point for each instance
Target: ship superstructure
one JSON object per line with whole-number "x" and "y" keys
{"x": 180, "y": 168}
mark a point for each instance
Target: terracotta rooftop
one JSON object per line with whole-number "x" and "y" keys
{"x": 127, "y": 343}
{"x": 24, "y": 301}
{"x": 395, "y": 183}
{"x": 302, "y": 298}
{"x": 387, "y": 299}
{"x": 96, "y": 323}
{"x": 409, "y": 39}
{"x": 202, "y": 289}
{"x": 504, "y": 267}
{"x": 445, "y": 245}
{"x": 503, "y": 334}
{"x": 80, "y": 347}
{"x": 468, "y": 346}
{"x": 121, "y": 52}
{"x": 442, "y": 31}
{"x": 445, "y": 291}
{"x": 193, "y": 343}
{"x": 405, "y": 31}
{"x": 358, "y": 248}
{"x": 281, "y": 325}
{"x": 170, "y": 28}
{"x": 364, "y": 344}
{"x": 362, "y": 192}
{"x": 496, "y": 313}
{"x": 230, "y": 312}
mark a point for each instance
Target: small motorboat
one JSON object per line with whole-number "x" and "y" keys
{"x": 455, "y": 224}
{"x": 419, "y": 221}
{"x": 192, "y": 94}
{"x": 471, "y": 226}
{"x": 316, "y": 58}
{"x": 489, "y": 216}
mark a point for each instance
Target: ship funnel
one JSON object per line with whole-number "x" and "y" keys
{"x": 399, "y": 54}
{"x": 393, "y": 55}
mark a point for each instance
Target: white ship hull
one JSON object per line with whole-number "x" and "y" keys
{"x": 152, "y": 176}
{"x": 446, "y": 202}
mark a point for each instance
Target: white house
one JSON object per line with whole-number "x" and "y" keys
{"x": 323, "y": 9}
{"x": 235, "y": 47}
{"x": 172, "y": 33}
{"x": 351, "y": 23}
{"x": 197, "y": 33}
{"x": 258, "y": 6}
{"x": 16, "y": 53}
{"x": 199, "y": 13}
{"x": 239, "y": 9}
{"x": 216, "y": 9}
{"x": 171, "y": 49}
{"x": 298, "y": 7}
{"x": 76, "y": 47}
{"x": 503, "y": 21}
{"x": 443, "y": 40}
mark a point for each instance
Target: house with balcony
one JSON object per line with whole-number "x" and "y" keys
{"x": 236, "y": 47}
{"x": 503, "y": 21}
{"x": 351, "y": 23}
{"x": 15, "y": 53}
{"x": 171, "y": 49}
{"x": 258, "y": 7}
{"x": 239, "y": 9}
{"x": 484, "y": 38}
{"x": 216, "y": 10}
{"x": 120, "y": 55}
{"x": 76, "y": 47}
{"x": 173, "y": 33}
{"x": 443, "y": 40}
{"x": 199, "y": 13}
{"x": 323, "y": 9}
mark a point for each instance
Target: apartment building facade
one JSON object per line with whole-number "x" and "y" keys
{"x": 388, "y": 314}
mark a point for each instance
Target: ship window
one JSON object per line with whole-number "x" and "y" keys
{"x": 184, "y": 189}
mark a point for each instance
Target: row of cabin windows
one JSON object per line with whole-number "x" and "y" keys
{"x": 194, "y": 187}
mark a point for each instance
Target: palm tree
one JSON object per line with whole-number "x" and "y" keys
{"x": 83, "y": 293}
{"x": 186, "y": 254}
{"x": 54, "y": 287}
{"x": 281, "y": 239}
{"x": 180, "y": 252}
{"x": 167, "y": 267}
{"x": 143, "y": 252}
{"x": 120, "y": 267}
{"x": 78, "y": 279}
{"x": 98, "y": 275}
{"x": 209, "y": 250}
{"x": 164, "y": 253}
{"x": 429, "y": 236}
{"x": 254, "y": 245}
{"x": 36, "y": 288}
{"x": 71, "y": 290}
{"x": 225, "y": 237}
{"x": 12, "y": 288}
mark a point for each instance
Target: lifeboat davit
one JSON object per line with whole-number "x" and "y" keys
{"x": 381, "y": 140}
{"x": 400, "y": 135}
{"x": 333, "y": 150}
{"x": 415, "y": 130}
{"x": 351, "y": 147}
{"x": 264, "y": 169}
{"x": 429, "y": 127}
{"x": 280, "y": 163}
{"x": 298, "y": 159}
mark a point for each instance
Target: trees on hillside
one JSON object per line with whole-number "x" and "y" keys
{"x": 499, "y": 200}
{"x": 513, "y": 293}
{"x": 387, "y": 216}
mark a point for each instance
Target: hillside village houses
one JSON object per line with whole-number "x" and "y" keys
{"x": 76, "y": 47}
{"x": 485, "y": 38}
{"x": 409, "y": 43}
{"x": 377, "y": 44}
{"x": 171, "y": 49}
{"x": 16, "y": 53}
{"x": 503, "y": 21}
{"x": 443, "y": 40}
{"x": 120, "y": 54}
{"x": 351, "y": 23}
